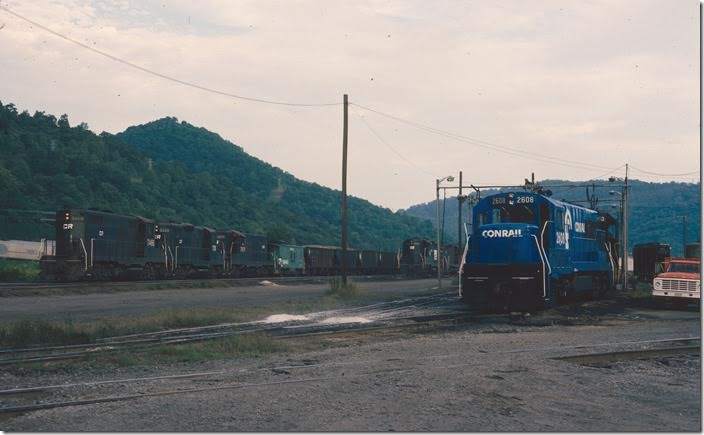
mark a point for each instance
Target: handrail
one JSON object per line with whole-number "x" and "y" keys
{"x": 542, "y": 261}
{"x": 542, "y": 234}
{"x": 172, "y": 256}
{"x": 461, "y": 268}
{"x": 85, "y": 256}
{"x": 611, "y": 262}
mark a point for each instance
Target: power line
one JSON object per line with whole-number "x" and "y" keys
{"x": 513, "y": 151}
{"x": 160, "y": 75}
{"x": 608, "y": 173}
{"x": 684, "y": 174}
{"x": 489, "y": 145}
{"x": 364, "y": 121}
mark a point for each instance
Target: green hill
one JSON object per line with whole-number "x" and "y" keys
{"x": 654, "y": 210}
{"x": 172, "y": 170}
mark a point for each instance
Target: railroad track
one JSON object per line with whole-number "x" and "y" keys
{"x": 189, "y": 282}
{"x": 398, "y": 313}
{"x": 672, "y": 347}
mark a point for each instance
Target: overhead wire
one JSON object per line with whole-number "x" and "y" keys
{"x": 473, "y": 141}
{"x": 683, "y": 174}
{"x": 388, "y": 145}
{"x": 161, "y": 75}
{"x": 513, "y": 151}
{"x": 486, "y": 144}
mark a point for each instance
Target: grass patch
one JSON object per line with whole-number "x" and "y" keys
{"x": 31, "y": 332}
{"x": 639, "y": 290}
{"x": 28, "y": 332}
{"x": 342, "y": 290}
{"x": 18, "y": 270}
{"x": 34, "y": 332}
{"x": 236, "y": 346}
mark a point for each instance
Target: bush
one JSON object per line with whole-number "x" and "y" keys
{"x": 339, "y": 289}
{"x": 18, "y": 270}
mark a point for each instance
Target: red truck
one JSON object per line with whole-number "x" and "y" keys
{"x": 681, "y": 278}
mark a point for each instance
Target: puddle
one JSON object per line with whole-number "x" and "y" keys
{"x": 343, "y": 319}
{"x": 279, "y": 318}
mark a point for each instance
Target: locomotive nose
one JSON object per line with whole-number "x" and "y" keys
{"x": 508, "y": 243}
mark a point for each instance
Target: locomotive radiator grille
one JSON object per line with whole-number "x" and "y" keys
{"x": 679, "y": 285}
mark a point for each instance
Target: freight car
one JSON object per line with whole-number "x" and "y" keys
{"x": 287, "y": 259}
{"x": 647, "y": 258}
{"x": 368, "y": 261}
{"x": 388, "y": 262}
{"x": 418, "y": 257}
{"x": 530, "y": 251}
{"x": 321, "y": 260}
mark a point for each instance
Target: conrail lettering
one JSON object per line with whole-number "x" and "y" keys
{"x": 501, "y": 233}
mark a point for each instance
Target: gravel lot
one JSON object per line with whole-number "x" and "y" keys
{"x": 482, "y": 376}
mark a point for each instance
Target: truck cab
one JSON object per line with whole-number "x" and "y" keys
{"x": 680, "y": 278}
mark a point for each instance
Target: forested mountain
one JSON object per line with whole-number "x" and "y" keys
{"x": 172, "y": 170}
{"x": 654, "y": 214}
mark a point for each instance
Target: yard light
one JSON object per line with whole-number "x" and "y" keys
{"x": 438, "y": 251}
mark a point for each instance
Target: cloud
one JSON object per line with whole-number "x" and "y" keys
{"x": 597, "y": 82}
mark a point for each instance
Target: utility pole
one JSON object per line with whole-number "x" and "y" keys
{"x": 343, "y": 211}
{"x": 625, "y": 231}
{"x": 437, "y": 226}
{"x": 459, "y": 218}
{"x": 438, "y": 260}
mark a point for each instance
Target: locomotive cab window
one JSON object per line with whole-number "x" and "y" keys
{"x": 518, "y": 214}
{"x": 483, "y": 218}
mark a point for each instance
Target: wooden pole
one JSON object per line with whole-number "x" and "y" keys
{"x": 343, "y": 211}
{"x": 625, "y": 231}
{"x": 437, "y": 225}
{"x": 459, "y": 218}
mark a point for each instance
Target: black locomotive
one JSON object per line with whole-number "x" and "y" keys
{"x": 105, "y": 246}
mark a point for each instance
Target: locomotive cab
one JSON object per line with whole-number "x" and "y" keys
{"x": 506, "y": 267}
{"x": 70, "y": 258}
{"x": 528, "y": 250}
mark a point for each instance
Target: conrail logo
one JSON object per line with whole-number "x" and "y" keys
{"x": 501, "y": 233}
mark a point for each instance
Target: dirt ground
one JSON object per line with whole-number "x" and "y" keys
{"x": 491, "y": 375}
{"x": 134, "y": 303}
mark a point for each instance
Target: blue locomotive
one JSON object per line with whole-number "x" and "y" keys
{"x": 529, "y": 251}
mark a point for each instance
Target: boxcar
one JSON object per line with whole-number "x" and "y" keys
{"x": 529, "y": 251}
{"x": 287, "y": 259}
{"x": 646, "y": 259}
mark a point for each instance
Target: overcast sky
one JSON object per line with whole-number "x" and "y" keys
{"x": 600, "y": 83}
